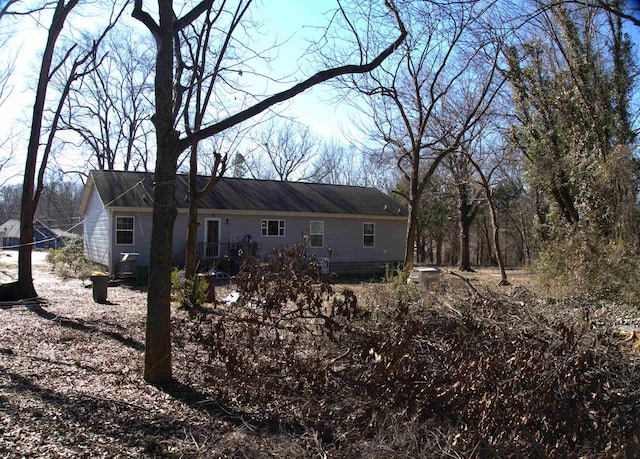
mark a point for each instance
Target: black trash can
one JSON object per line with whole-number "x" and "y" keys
{"x": 100, "y": 284}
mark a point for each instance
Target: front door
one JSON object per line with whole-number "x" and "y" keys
{"x": 212, "y": 238}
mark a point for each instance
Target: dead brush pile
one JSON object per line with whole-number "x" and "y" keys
{"x": 399, "y": 373}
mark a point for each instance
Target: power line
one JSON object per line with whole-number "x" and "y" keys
{"x": 17, "y": 246}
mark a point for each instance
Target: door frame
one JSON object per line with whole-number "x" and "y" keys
{"x": 208, "y": 252}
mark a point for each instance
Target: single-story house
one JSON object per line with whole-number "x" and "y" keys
{"x": 44, "y": 237}
{"x": 363, "y": 228}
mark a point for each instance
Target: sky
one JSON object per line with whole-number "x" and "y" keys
{"x": 290, "y": 20}
{"x": 283, "y": 19}
{"x": 313, "y": 107}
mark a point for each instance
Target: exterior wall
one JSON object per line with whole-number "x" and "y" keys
{"x": 342, "y": 235}
{"x": 96, "y": 231}
{"x": 142, "y": 222}
{"x": 180, "y": 237}
{"x": 141, "y": 237}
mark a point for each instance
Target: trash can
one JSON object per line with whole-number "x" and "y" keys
{"x": 100, "y": 283}
{"x": 142, "y": 276}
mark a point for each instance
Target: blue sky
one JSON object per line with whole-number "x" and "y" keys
{"x": 290, "y": 20}
{"x": 283, "y": 19}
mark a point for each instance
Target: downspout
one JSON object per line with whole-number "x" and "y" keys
{"x": 110, "y": 242}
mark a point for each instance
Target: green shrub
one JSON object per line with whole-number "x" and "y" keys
{"x": 396, "y": 282}
{"x": 190, "y": 293}
{"x": 587, "y": 265}
{"x": 70, "y": 261}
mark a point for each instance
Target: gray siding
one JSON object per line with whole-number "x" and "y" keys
{"x": 142, "y": 222}
{"x": 180, "y": 237}
{"x": 141, "y": 236}
{"x": 96, "y": 230}
{"x": 343, "y": 235}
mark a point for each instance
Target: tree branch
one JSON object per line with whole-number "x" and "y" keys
{"x": 192, "y": 15}
{"x": 144, "y": 17}
{"x": 318, "y": 78}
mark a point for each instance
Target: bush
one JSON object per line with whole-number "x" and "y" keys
{"x": 70, "y": 261}
{"x": 585, "y": 264}
{"x": 190, "y": 293}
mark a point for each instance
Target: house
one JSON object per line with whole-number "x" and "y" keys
{"x": 363, "y": 228}
{"x": 43, "y": 236}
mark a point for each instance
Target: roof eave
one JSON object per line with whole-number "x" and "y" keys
{"x": 86, "y": 193}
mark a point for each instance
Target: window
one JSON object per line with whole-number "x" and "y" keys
{"x": 369, "y": 234}
{"x": 124, "y": 230}
{"x": 316, "y": 234}
{"x": 273, "y": 227}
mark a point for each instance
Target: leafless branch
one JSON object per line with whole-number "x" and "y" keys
{"x": 318, "y": 78}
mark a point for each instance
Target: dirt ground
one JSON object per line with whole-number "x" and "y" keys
{"x": 70, "y": 375}
{"x": 71, "y": 382}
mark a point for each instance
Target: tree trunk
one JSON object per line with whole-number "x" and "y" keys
{"x": 411, "y": 235}
{"x": 157, "y": 368}
{"x": 157, "y": 364}
{"x": 25, "y": 270}
{"x": 421, "y": 247}
{"x": 525, "y": 245}
{"x": 496, "y": 240}
{"x": 464, "y": 262}
{"x": 464, "y": 224}
{"x": 27, "y": 214}
{"x": 191, "y": 255}
{"x": 439, "y": 245}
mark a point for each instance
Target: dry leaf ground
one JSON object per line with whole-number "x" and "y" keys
{"x": 71, "y": 386}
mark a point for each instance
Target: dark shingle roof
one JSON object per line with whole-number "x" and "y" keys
{"x": 135, "y": 189}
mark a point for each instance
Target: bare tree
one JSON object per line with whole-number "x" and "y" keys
{"x": 111, "y": 111}
{"x": 6, "y": 161}
{"x": 468, "y": 199}
{"x": 409, "y": 97}
{"x": 60, "y": 201}
{"x": 627, "y": 10}
{"x": 10, "y": 196}
{"x": 338, "y": 163}
{"x": 80, "y": 64}
{"x": 485, "y": 165}
{"x": 166, "y": 30}
{"x": 289, "y": 147}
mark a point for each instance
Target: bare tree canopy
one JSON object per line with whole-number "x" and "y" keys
{"x": 289, "y": 148}
{"x": 422, "y": 102}
{"x": 111, "y": 111}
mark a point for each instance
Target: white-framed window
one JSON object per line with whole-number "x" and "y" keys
{"x": 316, "y": 233}
{"x": 124, "y": 230}
{"x": 368, "y": 234}
{"x": 273, "y": 227}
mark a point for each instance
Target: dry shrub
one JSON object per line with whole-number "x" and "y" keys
{"x": 458, "y": 372}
